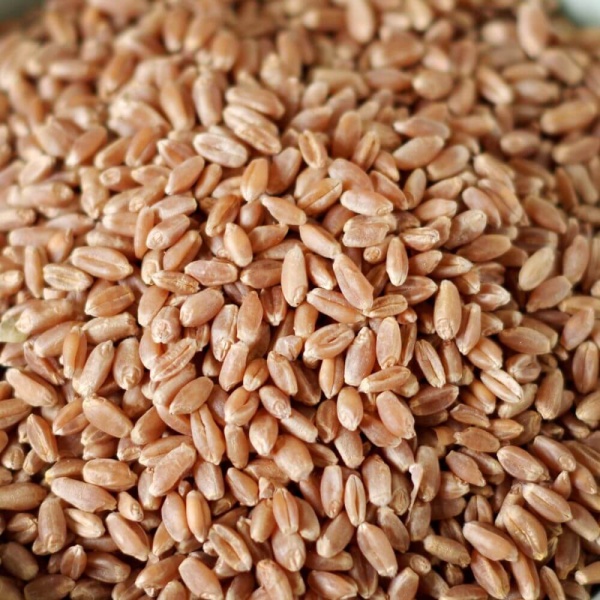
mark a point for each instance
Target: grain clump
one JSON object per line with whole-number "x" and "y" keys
{"x": 298, "y": 300}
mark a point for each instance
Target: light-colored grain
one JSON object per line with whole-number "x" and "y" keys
{"x": 489, "y": 541}
{"x": 199, "y": 579}
{"x": 274, "y": 579}
{"x": 547, "y": 503}
{"x": 490, "y": 575}
{"x": 85, "y": 496}
{"x": 375, "y": 546}
{"x": 522, "y": 465}
{"x": 526, "y": 577}
{"x": 526, "y": 530}
{"x": 418, "y": 152}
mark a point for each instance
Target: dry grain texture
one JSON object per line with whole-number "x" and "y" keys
{"x": 299, "y": 300}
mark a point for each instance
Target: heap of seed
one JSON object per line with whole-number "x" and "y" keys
{"x": 299, "y": 300}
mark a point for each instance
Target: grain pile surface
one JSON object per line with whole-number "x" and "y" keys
{"x": 299, "y": 299}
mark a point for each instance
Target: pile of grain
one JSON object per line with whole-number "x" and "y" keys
{"x": 299, "y": 299}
